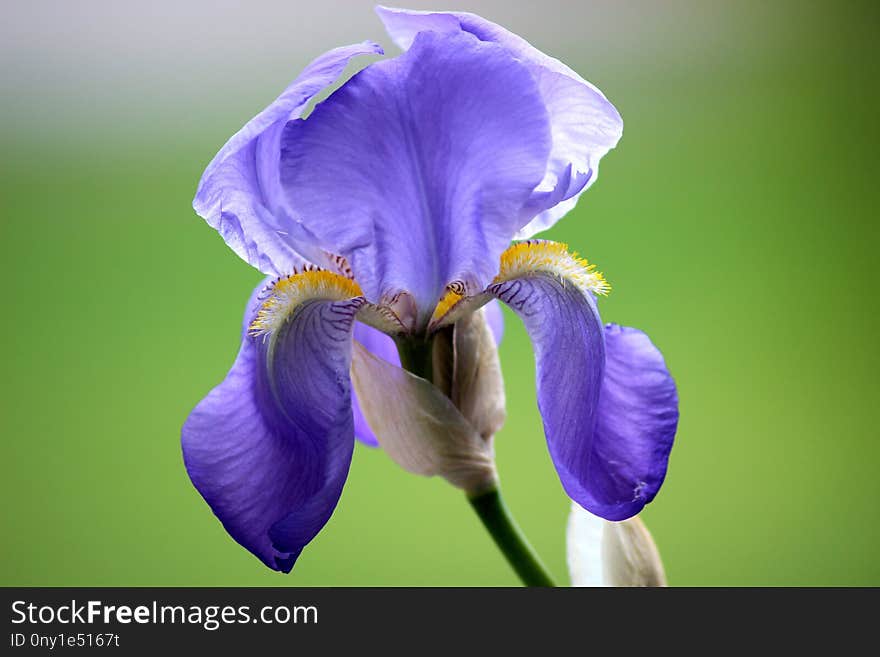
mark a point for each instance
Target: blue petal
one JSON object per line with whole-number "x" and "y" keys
{"x": 608, "y": 405}
{"x": 495, "y": 320}
{"x": 638, "y": 418}
{"x": 585, "y": 125}
{"x": 270, "y": 447}
{"x": 239, "y": 193}
{"x": 417, "y": 169}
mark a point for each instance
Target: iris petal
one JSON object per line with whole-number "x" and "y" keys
{"x": 584, "y": 124}
{"x": 495, "y": 319}
{"x": 566, "y": 333}
{"x": 239, "y": 193}
{"x": 270, "y": 447}
{"x": 417, "y": 169}
{"x": 608, "y": 403}
{"x": 636, "y": 425}
{"x": 585, "y": 127}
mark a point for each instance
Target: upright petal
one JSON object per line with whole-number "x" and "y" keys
{"x": 270, "y": 447}
{"x": 585, "y": 125}
{"x": 239, "y": 193}
{"x": 417, "y": 169}
{"x": 607, "y": 401}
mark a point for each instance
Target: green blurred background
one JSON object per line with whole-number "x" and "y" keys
{"x": 736, "y": 222}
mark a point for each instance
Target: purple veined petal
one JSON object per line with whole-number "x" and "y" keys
{"x": 382, "y": 346}
{"x": 253, "y": 304}
{"x": 608, "y": 403}
{"x": 418, "y": 167}
{"x": 362, "y": 430}
{"x": 566, "y": 332}
{"x": 239, "y": 193}
{"x": 636, "y": 425}
{"x": 495, "y": 320}
{"x": 270, "y": 447}
{"x": 585, "y": 125}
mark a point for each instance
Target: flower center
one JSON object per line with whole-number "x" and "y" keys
{"x": 527, "y": 258}
{"x": 523, "y": 259}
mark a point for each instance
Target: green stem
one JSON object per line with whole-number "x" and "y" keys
{"x": 416, "y": 356}
{"x": 510, "y": 539}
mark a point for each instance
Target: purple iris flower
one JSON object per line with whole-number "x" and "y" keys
{"x": 390, "y": 211}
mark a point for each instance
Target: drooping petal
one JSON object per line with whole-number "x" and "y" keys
{"x": 377, "y": 343}
{"x": 495, "y": 319}
{"x": 382, "y": 346}
{"x": 566, "y": 332}
{"x": 603, "y": 553}
{"x": 608, "y": 403}
{"x": 418, "y": 167}
{"x": 584, "y": 123}
{"x": 239, "y": 193}
{"x": 636, "y": 425}
{"x": 270, "y": 447}
{"x": 419, "y": 427}
{"x": 362, "y": 430}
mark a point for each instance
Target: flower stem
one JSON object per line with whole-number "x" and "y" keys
{"x": 510, "y": 539}
{"x": 416, "y": 356}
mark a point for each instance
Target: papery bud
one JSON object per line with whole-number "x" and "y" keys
{"x": 419, "y": 427}
{"x": 604, "y": 553}
{"x": 477, "y": 385}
